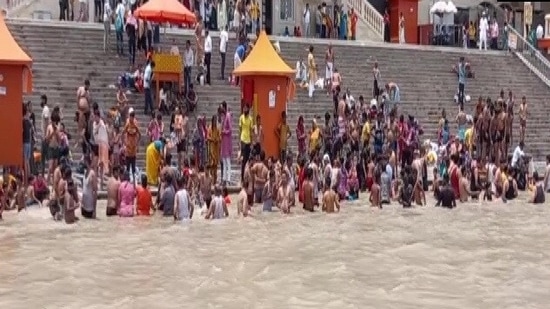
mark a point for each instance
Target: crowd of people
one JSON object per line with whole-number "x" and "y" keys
{"x": 363, "y": 145}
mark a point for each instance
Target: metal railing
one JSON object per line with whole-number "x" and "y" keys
{"x": 529, "y": 53}
{"x": 12, "y": 5}
{"x": 366, "y": 12}
{"x": 452, "y": 35}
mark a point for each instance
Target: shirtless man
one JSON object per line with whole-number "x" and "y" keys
{"x": 205, "y": 186}
{"x": 329, "y": 61}
{"x": 479, "y": 134}
{"x": 260, "y": 174}
{"x": 375, "y": 197}
{"x": 83, "y": 104}
{"x": 283, "y": 194}
{"x": 330, "y": 200}
{"x": 522, "y": 118}
{"x": 461, "y": 123}
{"x": 242, "y": 201}
{"x": 308, "y": 191}
{"x": 500, "y": 123}
{"x": 113, "y": 200}
{"x": 57, "y": 175}
{"x": 464, "y": 188}
{"x": 341, "y": 108}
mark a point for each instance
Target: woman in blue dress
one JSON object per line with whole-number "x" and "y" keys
{"x": 343, "y": 25}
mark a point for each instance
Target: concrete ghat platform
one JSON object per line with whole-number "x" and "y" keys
{"x": 188, "y": 32}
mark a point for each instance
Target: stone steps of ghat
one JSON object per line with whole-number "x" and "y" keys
{"x": 66, "y": 54}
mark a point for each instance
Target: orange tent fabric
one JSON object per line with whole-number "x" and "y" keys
{"x": 263, "y": 60}
{"x": 165, "y": 11}
{"x": 12, "y": 54}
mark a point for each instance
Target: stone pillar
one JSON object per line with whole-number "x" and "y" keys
{"x": 91, "y": 10}
{"x": 547, "y": 26}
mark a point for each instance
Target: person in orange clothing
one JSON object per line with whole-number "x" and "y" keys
{"x": 144, "y": 200}
{"x": 353, "y": 23}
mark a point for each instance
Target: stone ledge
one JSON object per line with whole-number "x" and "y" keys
{"x": 189, "y": 32}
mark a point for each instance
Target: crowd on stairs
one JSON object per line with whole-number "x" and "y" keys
{"x": 360, "y": 145}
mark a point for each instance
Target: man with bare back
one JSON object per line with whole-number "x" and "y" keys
{"x": 500, "y": 126}
{"x": 461, "y": 123}
{"x": 205, "y": 186}
{"x": 283, "y": 194}
{"x": 308, "y": 191}
{"x": 341, "y": 109}
{"x": 508, "y": 137}
{"x": 113, "y": 200}
{"x": 242, "y": 201}
{"x": 330, "y": 200}
{"x": 375, "y": 197}
{"x": 522, "y": 118}
{"x": 83, "y": 104}
{"x": 260, "y": 174}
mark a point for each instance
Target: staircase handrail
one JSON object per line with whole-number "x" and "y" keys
{"x": 366, "y": 12}
{"x": 525, "y": 50}
{"x": 14, "y": 5}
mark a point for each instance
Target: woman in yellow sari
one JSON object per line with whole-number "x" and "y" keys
{"x": 314, "y": 138}
{"x": 214, "y": 140}
{"x": 153, "y": 160}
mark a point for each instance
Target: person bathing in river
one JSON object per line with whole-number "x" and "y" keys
{"x": 309, "y": 203}
{"x": 113, "y": 199}
{"x": 89, "y": 191}
{"x": 283, "y": 194}
{"x": 218, "y": 208}
{"x": 464, "y": 188}
{"x": 183, "y": 206}
{"x": 242, "y": 200}
{"x": 330, "y": 202}
{"x": 269, "y": 194}
{"x": 127, "y": 195}
{"x": 144, "y": 199}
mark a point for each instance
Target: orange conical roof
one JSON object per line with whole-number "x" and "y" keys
{"x": 11, "y": 52}
{"x": 263, "y": 60}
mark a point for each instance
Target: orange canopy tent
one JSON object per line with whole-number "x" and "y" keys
{"x": 267, "y": 85}
{"x": 15, "y": 79}
{"x": 165, "y": 11}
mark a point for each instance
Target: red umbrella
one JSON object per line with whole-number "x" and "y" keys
{"x": 165, "y": 11}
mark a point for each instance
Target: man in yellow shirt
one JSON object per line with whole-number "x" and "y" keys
{"x": 245, "y": 133}
{"x": 283, "y": 134}
{"x": 365, "y": 134}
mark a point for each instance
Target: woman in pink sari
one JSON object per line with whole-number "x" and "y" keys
{"x": 127, "y": 195}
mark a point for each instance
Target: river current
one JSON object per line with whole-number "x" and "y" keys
{"x": 476, "y": 256}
